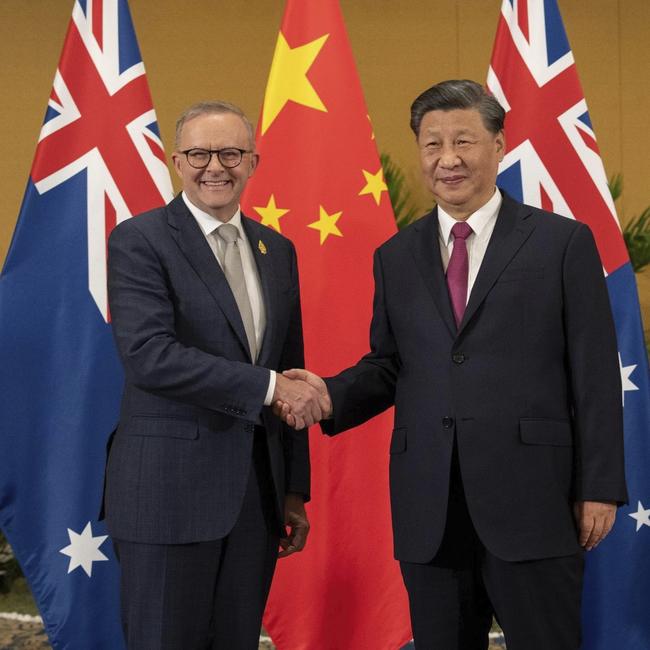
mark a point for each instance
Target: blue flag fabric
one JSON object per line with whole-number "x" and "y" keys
{"x": 553, "y": 162}
{"x": 617, "y": 581}
{"x": 99, "y": 160}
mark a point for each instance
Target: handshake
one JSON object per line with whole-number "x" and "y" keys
{"x": 301, "y": 398}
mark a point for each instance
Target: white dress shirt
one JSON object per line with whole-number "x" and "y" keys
{"x": 482, "y": 223}
{"x": 208, "y": 226}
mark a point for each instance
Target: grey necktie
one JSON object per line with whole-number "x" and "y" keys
{"x": 234, "y": 271}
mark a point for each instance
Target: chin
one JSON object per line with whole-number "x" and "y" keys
{"x": 454, "y": 200}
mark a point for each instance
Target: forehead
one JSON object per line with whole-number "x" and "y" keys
{"x": 455, "y": 120}
{"x": 212, "y": 130}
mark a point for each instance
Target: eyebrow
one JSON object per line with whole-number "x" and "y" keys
{"x": 431, "y": 132}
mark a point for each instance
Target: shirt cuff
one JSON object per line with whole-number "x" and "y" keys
{"x": 271, "y": 389}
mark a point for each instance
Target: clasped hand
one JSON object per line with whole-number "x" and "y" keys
{"x": 301, "y": 398}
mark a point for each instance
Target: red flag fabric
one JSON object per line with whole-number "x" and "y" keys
{"x": 321, "y": 184}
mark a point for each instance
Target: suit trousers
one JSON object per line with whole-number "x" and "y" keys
{"x": 452, "y": 598}
{"x": 205, "y": 595}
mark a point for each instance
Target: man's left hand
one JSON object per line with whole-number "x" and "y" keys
{"x": 594, "y": 519}
{"x": 295, "y": 518}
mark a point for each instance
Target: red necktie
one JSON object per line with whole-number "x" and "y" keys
{"x": 458, "y": 269}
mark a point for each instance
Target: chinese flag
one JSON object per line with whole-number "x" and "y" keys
{"x": 320, "y": 183}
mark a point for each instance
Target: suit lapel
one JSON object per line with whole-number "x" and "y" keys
{"x": 426, "y": 251}
{"x": 264, "y": 259}
{"x": 191, "y": 241}
{"x": 512, "y": 228}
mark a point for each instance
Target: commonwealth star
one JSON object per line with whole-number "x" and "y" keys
{"x": 83, "y": 550}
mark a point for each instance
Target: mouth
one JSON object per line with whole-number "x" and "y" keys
{"x": 451, "y": 180}
{"x": 215, "y": 184}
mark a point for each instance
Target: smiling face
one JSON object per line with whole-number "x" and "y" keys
{"x": 215, "y": 189}
{"x": 459, "y": 159}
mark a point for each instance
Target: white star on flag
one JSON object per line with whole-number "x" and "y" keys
{"x": 83, "y": 550}
{"x": 626, "y": 371}
{"x": 642, "y": 516}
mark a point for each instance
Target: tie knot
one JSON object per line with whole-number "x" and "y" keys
{"x": 228, "y": 232}
{"x": 461, "y": 230}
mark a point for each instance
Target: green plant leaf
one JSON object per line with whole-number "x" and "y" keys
{"x": 400, "y": 196}
{"x": 615, "y": 185}
{"x": 636, "y": 234}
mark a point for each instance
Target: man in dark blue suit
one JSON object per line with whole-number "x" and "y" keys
{"x": 492, "y": 336}
{"x": 201, "y": 477}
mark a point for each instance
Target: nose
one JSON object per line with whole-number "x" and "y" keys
{"x": 215, "y": 164}
{"x": 448, "y": 157}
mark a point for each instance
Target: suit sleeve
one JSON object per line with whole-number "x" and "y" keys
{"x": 594, "y": 374}
{"x": 142, "y": 314}
{"x": 368, "y": 388}
{"x": 295, "y": 443}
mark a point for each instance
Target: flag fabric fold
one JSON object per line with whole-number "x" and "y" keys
{"x": 321, "y": 184}
{"x": 553, "y": 162}
{"x": 99, "y": 160}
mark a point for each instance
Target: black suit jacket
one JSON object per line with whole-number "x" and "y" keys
{"x": 528, "y": 384}
{"x": 179, "y": 461}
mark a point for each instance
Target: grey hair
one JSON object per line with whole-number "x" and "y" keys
{"x": 215, "y": 107}
{"x": 458, "y": 93}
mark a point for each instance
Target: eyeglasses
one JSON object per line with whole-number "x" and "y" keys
{"x": 200, "y": 158}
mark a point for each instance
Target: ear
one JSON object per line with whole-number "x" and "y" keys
{"x": 255, "y": 159}
{"x": 177, "y": 159}
{"x": 500, "y": 141}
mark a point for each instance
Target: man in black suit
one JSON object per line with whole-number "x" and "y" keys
{"x": 201, "y": 476}
{"x": 492, "y": 336}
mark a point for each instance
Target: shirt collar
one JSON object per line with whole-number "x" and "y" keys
{"x": 477, "y": 220}
{"x": 208, "y": 223}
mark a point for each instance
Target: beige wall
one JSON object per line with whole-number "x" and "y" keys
{"x": 198, "y": 49}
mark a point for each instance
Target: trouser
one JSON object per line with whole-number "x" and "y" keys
{"x": 453, "y": 598}
{"x": 206, "y": 595}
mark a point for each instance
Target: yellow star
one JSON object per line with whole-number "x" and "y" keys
{"x": 326, "y": 224}
{"x": 375, "y": 184}
{"x": 271, "y": 214}
{"x": 288, "y": 78}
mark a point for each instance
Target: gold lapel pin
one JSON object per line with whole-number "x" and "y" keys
{"x": 262, "y": 247}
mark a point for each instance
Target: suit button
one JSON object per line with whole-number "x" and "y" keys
{"x": 458, "y": 358}
{"x": 447, "y": 423}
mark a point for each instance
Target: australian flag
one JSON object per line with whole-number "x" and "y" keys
{"x": 553, "y": 162}
{"x": 99, "y": 160}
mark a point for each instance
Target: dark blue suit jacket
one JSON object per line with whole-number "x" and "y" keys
{"x": 179, "y": 460}
{"x": 529, "y": 385}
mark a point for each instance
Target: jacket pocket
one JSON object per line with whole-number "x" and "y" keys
{"x": 161, "y": 427}
{"x": 398, "y": 441}
{"x": 539, "y": 431}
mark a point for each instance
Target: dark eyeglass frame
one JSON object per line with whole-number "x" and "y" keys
{"x": 217, "y": 152}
